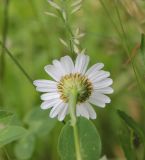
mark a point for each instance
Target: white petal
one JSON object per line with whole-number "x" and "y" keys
{"x": 107, "y": 90}
{"x": 47, "y": 89}
{"x": 96, "y": 102}
{"x": 101, "y": 75}
{"x": 94, "y": 69}
{"x": 56, "y": 109}
{"x": 63, "y": 113}
{"x": 44, "y": 83}
{"x": 67, "y": 64}
{"x": 49, "y": 96}
{"x": 81, "y": 63}
{"x": 99, "y": 99}
{"x": 103, "y": 84}
{"x": 59, "y": 67}
{"x": 53, "y": 72}
{"x": 81, "y": 110}
{"x": 92, "y": 113}
{"x": 49, "y": 104}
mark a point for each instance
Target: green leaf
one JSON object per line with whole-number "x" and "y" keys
{"x": 10, "y": 134}
{"x": 5, "y": 114}
{"x": 5, "y": 118}
{"x": 132, "y": 124}
{"x": 142, "y": 46}
{"x": 39, "y": 122}
{"x": 24, "y": 147}
{"x": 139, "y": 65}
{"x": 126, "y": 145}
{"x": 90, "y": 143}
{"x": 137, "y": 132}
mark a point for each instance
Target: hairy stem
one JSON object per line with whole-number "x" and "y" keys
{"x": 77, "y": 145}
{"x": 72, "y": 109}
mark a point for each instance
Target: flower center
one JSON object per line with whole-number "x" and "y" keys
{"x": 80, "y": 82}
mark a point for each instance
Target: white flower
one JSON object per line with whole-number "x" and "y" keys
{"x": 91, "y": 84}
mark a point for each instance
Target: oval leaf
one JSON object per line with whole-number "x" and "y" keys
{"x": 39, "y": 122}
{"x": 10, "y": 134}
{"x": 25, "y": 147}
{"x": 90, "y": 143}
{"x": 5, "y": 114}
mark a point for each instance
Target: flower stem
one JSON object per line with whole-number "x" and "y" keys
{"x": 77, "y": 145}
{"x": 72, "y": 105}
{"x": 72, "y": 108}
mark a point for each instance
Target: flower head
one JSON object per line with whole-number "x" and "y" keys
{"x": 91, "y": 86}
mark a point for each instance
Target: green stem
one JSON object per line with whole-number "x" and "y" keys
{"x": 68, "y": 28}
{"x": 4, "y": 37}
{"x": 77, "y": 145}
{"x": 6, "y": 153}
{"x": 72, "y": 109}
{"x": 125, "y": 43}
{"x": 2, "y": 55}
{"x": 72, "y": 105}
{"x": 124, "y": 37}
{"x": 17, "y": 63}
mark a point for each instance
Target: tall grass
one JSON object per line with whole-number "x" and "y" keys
{"x": 30, "y": 40}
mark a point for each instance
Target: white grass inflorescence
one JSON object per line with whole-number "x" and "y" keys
{"x": 92, "y": 86}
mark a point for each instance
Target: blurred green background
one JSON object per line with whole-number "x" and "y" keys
{"x": 33, "y": 39}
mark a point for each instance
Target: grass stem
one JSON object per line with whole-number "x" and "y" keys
{"x": 123, "y": 38}
{"x": 127, "y": 51}
{"x": 4, "y": 38}
{"x": 17, "y": 63}
{"x": 2, "y": 54}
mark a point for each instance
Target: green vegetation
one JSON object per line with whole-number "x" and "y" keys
{"x": 29, "y": 40}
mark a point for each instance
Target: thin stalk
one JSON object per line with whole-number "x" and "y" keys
{"x": 17, "y": 63}
{"x": 67, "y": 26}
{"x": 4, "y": 37}
{"x": 6, "y": 153}
{"x": 132, "y": 63}
{"x": 72, "y": 109}
{"x": 77, "y": 145}
{"x": 108, "y": 14}
{"x": 123, "y": 31}
{"x": 127, "y": 50}
{"x": 66, "y": 22}
{"x": 72, "y": 105}
{"x": 115, "y": 26}
{"x": 2, "y": 54}
{"x": 70, "y": 39}
{"x": 125, "y": 46}
{"x": 38, "y": 18}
